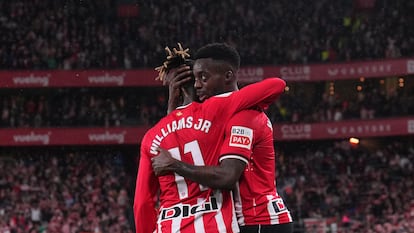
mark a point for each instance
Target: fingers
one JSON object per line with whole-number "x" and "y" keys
{"x": 159, "y": 149}
{"x": 171, "y": 74}
{"x": 178, "y": 84}
{"x": 183, "y": 68}
{"x": 182, "y": 73}
{"x": 160, "y": 152}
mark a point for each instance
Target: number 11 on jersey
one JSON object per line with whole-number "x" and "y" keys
{"x": 194, "y": 149}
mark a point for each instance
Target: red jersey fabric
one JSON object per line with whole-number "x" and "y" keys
{"x": 193, "y": 134}
{"x": 249, "y": 134}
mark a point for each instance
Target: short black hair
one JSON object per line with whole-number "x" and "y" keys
{"x": 189, "y": 62}
{"x": 220, "y": 52}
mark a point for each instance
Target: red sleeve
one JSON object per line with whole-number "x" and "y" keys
{"x": 260, "y": 94}
{"x": 239, "y": 136}
{"x": 146, "y": 189}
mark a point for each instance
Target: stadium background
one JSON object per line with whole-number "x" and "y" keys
{"x": 77, "y": 92}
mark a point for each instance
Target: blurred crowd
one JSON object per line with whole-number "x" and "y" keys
{"x": 364, "y": 189}
{"x": 64, "y": 192}
{"x": 145, "y": 106}
{"x": 83, "y": 107}
{"x": 371, "y": 102}
{"x": 359, "y": 189}
{"x": 73, "y": 34}
{"x": 57, "y": 34}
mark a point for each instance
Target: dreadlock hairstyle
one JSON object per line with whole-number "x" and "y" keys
{"x": 176, "y": 58}
{"x": 220, "y": 52}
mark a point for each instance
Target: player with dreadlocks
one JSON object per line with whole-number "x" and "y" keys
{"x": 176, "y": 72}
{"x": 187, "y": 132}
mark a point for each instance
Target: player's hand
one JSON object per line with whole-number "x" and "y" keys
{"x": 175, "y": 78}
{"x": 162, "y": 163}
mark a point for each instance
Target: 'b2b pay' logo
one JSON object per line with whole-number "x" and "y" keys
{"x": 241, "y": 137}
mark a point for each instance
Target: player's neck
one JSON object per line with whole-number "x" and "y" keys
{"x": 186, "y": 101}
{"x": 232, "y": 87}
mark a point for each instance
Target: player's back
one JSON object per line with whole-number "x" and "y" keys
{"x": 193, "y": 134}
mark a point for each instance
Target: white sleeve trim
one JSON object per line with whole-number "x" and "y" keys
{"x": 234, "y": 157}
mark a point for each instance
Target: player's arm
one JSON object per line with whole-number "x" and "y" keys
{"x": 260, "y": 94}
{"x": 223, "y": 176}
{"x": 233, "y": 160}
{"x": 145, "y": 213}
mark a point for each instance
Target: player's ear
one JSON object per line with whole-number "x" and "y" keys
{"x": 229, "y": 76}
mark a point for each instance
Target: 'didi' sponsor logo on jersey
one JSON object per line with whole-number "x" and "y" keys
{"x": 184, "y": 211}
{"x": 241, "y": 137}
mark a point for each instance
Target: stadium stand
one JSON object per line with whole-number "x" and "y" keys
{"x": 89, "y": 34}
{"x": 329, "y": 185}
{"x": 137, "y": 106}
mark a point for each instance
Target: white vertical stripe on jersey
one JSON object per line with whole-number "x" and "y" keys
{"x": 234, "y": 224}
{"x": 158, "y": 227}
{"x": 179, "y": 180}
{"x": 238, "y": 205}
{"x": 194, "y": 149}
{"x": 290, "y": 217}
{"x": 274, "y": 218}
{"x": 221, "y": 225}
{"x": 198, "y": 218}
{"x": 176, "y": 225}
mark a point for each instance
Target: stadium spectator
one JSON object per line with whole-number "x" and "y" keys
{"x": 368, "y": 189}
{"x": 361, "y": 189}
{"x": 89, "y": 34}
{"x": 137, "y": 106}
{"x": 71, "y": 192}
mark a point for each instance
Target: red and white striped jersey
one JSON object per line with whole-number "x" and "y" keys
{"x": 249, "y": 134}
{"x": 193, "y": 134}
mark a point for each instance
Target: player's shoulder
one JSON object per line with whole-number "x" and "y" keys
{"x": 216, "y": 102}
{"x": 249, "y": 113}
{"x": 218, "y": 97}
{"x": 157, "y": 127}
{"x": 227, "y": 94}
{"x": 250, "y": 117}
{"x": 149, "y": 134}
